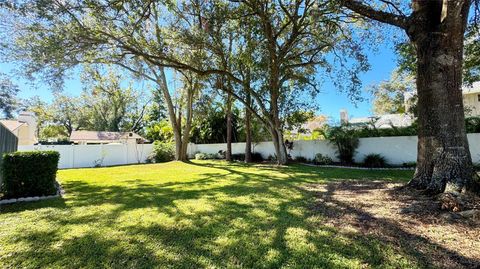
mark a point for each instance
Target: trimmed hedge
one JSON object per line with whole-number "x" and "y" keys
{"x": 29, "y": 173}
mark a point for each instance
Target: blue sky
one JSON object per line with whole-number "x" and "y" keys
{"x": 329, "y": 100}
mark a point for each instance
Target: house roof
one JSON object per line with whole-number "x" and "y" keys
{"x": 102, "y": 136}
{"x": 475, "y": 88}
{"x": 385, "y": 121}
{"x": 12, "y": 125}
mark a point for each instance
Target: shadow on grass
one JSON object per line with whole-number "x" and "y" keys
{"x": 254, "y": 216}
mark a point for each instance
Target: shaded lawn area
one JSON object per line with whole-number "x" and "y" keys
{"x": 195, "y": 215}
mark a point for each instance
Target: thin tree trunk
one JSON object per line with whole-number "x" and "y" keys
{"x": 228, "y": 154}
{"x": 248, "y": 131}
{"x": 188, "y": 123}
{"x": 176, "y": 123}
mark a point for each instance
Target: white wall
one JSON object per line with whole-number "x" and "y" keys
{"x": 73, "y": 156}
{"x": 396, "y": 150}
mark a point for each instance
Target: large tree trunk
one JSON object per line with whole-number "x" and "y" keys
{"x": 228, "y": 154}
{"x": 174, "y": 121}
{"x": 248, "y": 131}
{"x": 279, "y": 145}
{"x": 444, "y": 161}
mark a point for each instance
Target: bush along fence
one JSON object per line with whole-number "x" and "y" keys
{"x": 30, "y": 176}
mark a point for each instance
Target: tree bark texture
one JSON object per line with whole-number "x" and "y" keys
{"x": 437, "y": 29}
{"x": 443, "y": 160}
{"x": 228, "y": 154}
{"x": 248, "y": 130}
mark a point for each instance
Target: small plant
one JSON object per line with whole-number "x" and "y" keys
{"x": 238, "y": 157}
{"x": 374, "y": 161}
{"x": 272, "y": 158}
{"x": 321, "y": 159}
{"x": 162, "y": 152}
{"x": 410, "y": 164}
{"x": 301, "y": 159}
{"x": 346, "y": 140}
{"x": 206, "y": 156}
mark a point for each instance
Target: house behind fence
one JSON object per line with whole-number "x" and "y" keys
{"x": 8, "y": 143}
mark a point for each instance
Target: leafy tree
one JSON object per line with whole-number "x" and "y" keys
{"x": 436, "y": 29}
{"x": 291, "y": 39}
{"x": 68, "y": 112}
{"x": 395, "y": 95}
{"x": 8, "y": 93}
{"x": 159, "y": 131}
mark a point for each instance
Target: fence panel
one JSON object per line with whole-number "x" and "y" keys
{"x": 8, "y": 143}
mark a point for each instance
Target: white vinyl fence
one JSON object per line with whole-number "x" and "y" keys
{"x": 397, "y": 150}
{"x": 74, "y": 156}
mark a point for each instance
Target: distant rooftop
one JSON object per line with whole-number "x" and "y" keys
{"x": 103, "y": 136}
{"x": 384, "y": 121}
{"x": 12, "y": 125}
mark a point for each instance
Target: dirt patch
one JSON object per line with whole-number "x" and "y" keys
{"x": 404, "y": 218}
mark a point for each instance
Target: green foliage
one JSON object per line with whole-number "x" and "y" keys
{"x": 29, "y": 173}
{"x": 345, "y": 139}
{"x": 368, "y": 131}
{"x": 374, "y": 161}
{"x": 256, "y": 157}
{"x": 295, "y": 120}
{"x": 409, "y": 164}
{"x": 471, "y": 64}
{"x": 389, "y": 96}
{"x": 207, "y": 156}
{"x": 162, "y": 152}
{"x": 321, "y": 159}
{"x": 301, "y": 159}
{"x": 210, "y": 126}
{"x": 472, "y": 124}
{"x": 8, "y": 93}
{"x": 159, "y": 131}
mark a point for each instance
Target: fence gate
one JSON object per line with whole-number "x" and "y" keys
{"x": 8, "y": 143}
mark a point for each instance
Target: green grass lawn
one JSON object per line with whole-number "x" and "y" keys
{"x": 190, "y": 215}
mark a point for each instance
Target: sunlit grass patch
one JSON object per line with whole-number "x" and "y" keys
{"x": 189, "y": 215}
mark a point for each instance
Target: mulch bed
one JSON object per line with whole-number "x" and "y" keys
{"x": 412, "y": 222}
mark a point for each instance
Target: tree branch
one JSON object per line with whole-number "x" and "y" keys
{"x": 374, "y": 14}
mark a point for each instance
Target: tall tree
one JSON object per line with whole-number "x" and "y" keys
{"x": 290, "y": 43}
{"x": 436, "y": 28}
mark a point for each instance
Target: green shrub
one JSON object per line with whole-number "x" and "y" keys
{"x": 322, "y": 159}
{"x": 29, "y": 173}
{"x": 238, "y": 157}
{"x": 301, "y": 159}
{"x": 346, "y": 140}
{"x": 162, "y": 152}
{"x": 409, "y": 164}
{"x": 374, "y": 161}
{"x": 257, "y": 157}
{"x": 206, "y": 156}
{"x": 472, "y": 124}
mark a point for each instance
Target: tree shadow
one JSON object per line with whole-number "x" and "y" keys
{"x": 332, "y": 205}
{"x": 242, "y": 215}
